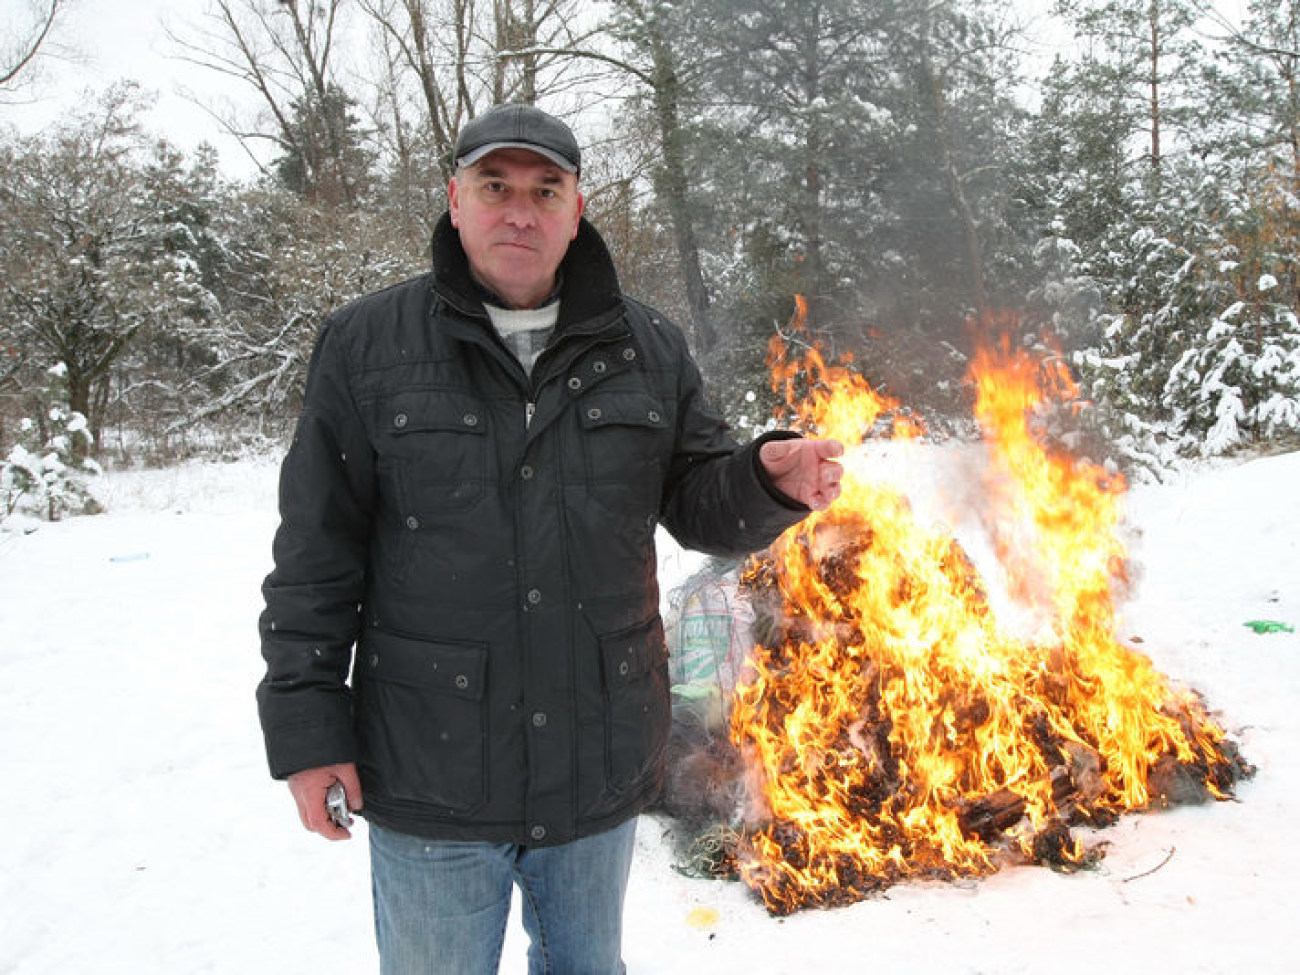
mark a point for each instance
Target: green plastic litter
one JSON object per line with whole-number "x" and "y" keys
{"x": 1270, "y": 626}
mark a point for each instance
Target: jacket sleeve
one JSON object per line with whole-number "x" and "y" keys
{"x": 314, "y": 592}
{"x": 718, "y": 497}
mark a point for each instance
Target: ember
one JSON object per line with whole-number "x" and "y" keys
{"x": 890, "y": 726}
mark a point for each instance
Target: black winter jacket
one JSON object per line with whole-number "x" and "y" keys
{"x": 485, "y": 541}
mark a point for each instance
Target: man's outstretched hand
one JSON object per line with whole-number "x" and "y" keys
{"x": 309, "y": 788}
{"x": 805, "y": 469}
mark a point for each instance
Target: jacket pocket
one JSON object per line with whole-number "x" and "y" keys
{"x": 624, "y": 434}
{"x": 437, "y": 445}
{"x": 422, "y": 720}
{"x": 634, "y": 665}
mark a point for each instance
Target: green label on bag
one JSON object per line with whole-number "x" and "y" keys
{"x": 705, "y": 639}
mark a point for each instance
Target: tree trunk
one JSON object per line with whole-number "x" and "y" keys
{"x": 525, "y": 41}
{"x": 1154, "y": 18}
{"x": 965, "y": 213}
{"x": 811, "y": 215}
{"x": 79, "y": 401}
{"x": 1293, "y": 128}
{"x": 672, "y": 184}
{"x": 503, "y": 18}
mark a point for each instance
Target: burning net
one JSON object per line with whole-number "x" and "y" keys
{"x": 889, "y": 726}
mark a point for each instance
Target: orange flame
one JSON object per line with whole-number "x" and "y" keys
{"x": 892, "y": 727}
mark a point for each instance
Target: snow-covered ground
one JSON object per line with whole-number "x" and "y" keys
{"x": 142, "y": 835}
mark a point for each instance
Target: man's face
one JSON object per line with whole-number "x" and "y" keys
{"x": 516, "y": 212}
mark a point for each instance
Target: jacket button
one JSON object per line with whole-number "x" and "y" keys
{"x": 653, "y": 416}
{"x": 526, "y": 472}
{"x": 534, "y": 596}
{"x": 593, "y": 414}
{"x": 575, "y": 383}
{"x": 598, "y": 366}
{"x": 539, "y": 719}
{"x": 623, "y": 668}
{"x": 400, "y": 420}
{"x": 469, "y": 419}
{"x": 412, "y": 522}
{"x": 629, "y": 354}
{"x": 462, "y": 682}
{"x": 538, "y": 832}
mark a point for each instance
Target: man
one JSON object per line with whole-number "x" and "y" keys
{"x": 470, "y": 500}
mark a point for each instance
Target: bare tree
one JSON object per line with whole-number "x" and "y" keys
{"x": 438, "y": 63}
{"x": 539, "y": 48}
{"x": 284, "y": 51}
{"x": 92, "y": 252}
{"x": 462, "y": 56}
{"x": 429, "y": 48}
{"x": 19, "y": 53}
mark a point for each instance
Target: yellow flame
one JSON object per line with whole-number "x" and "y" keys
{"x": 886, "y": 703}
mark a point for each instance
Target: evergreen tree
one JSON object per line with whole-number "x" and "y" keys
{"x": 959, "y": 134}
{"x": 1145, "y": 52}
{"x": 1238, "y": 379}
{"x": 47, "y": 470}
{"x": 859, "y": 153}
{"x": 667, "y": 57}
{"x": 792, "y": 143}
{"x": 325, "y": 158}
{"x": 1193, "y": 342}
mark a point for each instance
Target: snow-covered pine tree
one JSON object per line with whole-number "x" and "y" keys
{"x": 47, "y": 471}
{"x": 1238, "y": 380}
{"x": 1193, "y": 347}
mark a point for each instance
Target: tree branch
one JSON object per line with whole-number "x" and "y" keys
{"x": 34, "y": 45}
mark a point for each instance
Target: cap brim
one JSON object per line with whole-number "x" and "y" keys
{"x": 470, "y": 158}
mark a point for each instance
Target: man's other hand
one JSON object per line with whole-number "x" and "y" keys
{"x": 309, "y": 788}
{"x": 804, "y": 469}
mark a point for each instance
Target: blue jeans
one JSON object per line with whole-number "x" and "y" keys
{"x": 441, "y": 907}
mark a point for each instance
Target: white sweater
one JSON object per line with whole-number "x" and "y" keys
{"x": 525, "y": 330}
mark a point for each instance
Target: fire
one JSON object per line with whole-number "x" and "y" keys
{"x": 892, "y": 727}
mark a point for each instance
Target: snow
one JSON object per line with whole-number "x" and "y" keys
{"x": 143, "y": 835}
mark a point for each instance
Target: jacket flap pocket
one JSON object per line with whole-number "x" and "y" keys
{"x": 630, "y": 654}
{"x": 433, "y": 410}
{"x": 451, "y": 668}
{"x": 626, "y": 409}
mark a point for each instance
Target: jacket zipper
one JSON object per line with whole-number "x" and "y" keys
{"x": 529, "y": 409}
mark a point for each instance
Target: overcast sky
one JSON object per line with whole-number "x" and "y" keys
{"x": 109, "y": 40}
{"x": 102, "y": 41}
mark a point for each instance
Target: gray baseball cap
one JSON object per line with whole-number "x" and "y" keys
{"x": 518, "y": 127}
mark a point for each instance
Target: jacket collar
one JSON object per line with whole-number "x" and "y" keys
{"x": 589, "y": 292}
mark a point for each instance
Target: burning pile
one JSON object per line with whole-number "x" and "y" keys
{"x": 890, "y": 727}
